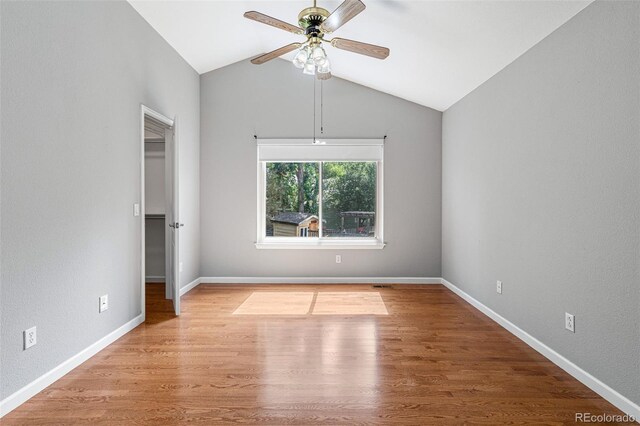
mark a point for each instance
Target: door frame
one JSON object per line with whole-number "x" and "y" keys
{"x": 146, "y": 111}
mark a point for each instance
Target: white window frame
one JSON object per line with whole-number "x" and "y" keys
{"x": 326, "y": 150}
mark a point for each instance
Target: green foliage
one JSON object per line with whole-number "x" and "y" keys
{"x": 282, "y": 187}
{"x": 347, "y": 187}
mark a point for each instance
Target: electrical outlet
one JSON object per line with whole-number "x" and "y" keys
{"x": 338, "y": 258}
{"x": 136, "y": 209}
{"x": 180, "y": 266}
{"x": 30, "y": 337}
{"x": 499, "y": 287}
{"x": 570, "y": 322}
{"x": 104, "y": 303}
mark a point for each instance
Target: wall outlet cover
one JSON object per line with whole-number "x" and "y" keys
{"x": 30, "y": 337}
{"x": 499, "y": 287}
{"x": 103, "y": 303}
{"x": 338, "y": 258}
{"x": 570, "y": 322}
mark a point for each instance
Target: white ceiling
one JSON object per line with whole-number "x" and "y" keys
{"x": 440, "y": 50}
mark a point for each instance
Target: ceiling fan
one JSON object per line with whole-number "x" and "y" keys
{"x": 314, "y": 23}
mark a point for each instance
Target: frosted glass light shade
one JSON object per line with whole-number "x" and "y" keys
{"x": 301, "y": 58}
{"x": 318, "y": 55}
{"x": 309, "y": 68}
{"x": 325, "y": 68}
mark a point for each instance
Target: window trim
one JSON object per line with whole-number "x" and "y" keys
{"x": 296, "y": 243}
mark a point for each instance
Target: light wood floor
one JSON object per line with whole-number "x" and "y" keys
{"x": 432, "y": 360}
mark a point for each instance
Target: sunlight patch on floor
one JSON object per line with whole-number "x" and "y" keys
{"x": 276, "y": 303}
{"x": 350, "y": 303}
{"x": 302, "y": 303}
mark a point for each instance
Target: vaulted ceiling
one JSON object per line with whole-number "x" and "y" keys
{"x": 440, "y": 50}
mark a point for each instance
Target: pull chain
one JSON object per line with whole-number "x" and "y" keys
{"x": 321, "y": 107}
{"x": 314, "y": 111}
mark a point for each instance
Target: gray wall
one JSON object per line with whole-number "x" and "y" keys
{"x": 73, "y": 77}
{"x": 276, "y": 100}
{"x": 541, "y": 189}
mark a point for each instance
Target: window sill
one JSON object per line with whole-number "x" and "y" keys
{"x": 319, "y": 245}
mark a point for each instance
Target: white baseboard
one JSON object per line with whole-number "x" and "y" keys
{"x": 602, "y": 389}
{"x": 308, "y": 280}
{"x": 22, "y": 395}
{"x": 320, "y": 280}
{"x": 187, "y": 288}
{"x": 154, "y": 279}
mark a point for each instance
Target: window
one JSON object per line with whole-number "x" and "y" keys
{"x": 322, "y": 195}
{"x": 291, "y": 199}
{"x": 349, "y": 199}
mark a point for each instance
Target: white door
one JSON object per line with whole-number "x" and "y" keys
{"x": 172, "y": 218}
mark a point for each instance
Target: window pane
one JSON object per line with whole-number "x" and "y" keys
{"x": 349, "y": 199}
{"x": 292, "y": 200}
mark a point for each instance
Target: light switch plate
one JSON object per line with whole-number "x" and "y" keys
{"x": 136, "y": 209}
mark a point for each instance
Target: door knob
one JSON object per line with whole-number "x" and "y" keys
{"x": 176, "y": 225}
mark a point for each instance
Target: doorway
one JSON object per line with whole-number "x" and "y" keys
{"x": 159, "y": 206}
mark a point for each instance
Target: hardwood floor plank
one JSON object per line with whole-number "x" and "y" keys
{"x": 432, "y": 360}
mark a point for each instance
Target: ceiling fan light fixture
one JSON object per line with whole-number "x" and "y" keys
{"x": 309, "y": 68}
{"x": 301, "y": 58}
{"x": 325, "y": 67}
{"x": 318, "y": 55}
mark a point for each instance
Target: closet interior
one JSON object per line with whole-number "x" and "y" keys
{"x": 155, "y": 200}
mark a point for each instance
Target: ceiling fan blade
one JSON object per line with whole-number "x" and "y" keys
{"x": 323, "y": 76}
{"x": 372, "y": 50}
{"x": 343, "y": 14}
{"x": 265, "y": 19}
{"x": 259, "y": 60}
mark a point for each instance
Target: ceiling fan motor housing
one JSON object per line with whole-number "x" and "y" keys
{"x": 310, "y": 20}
